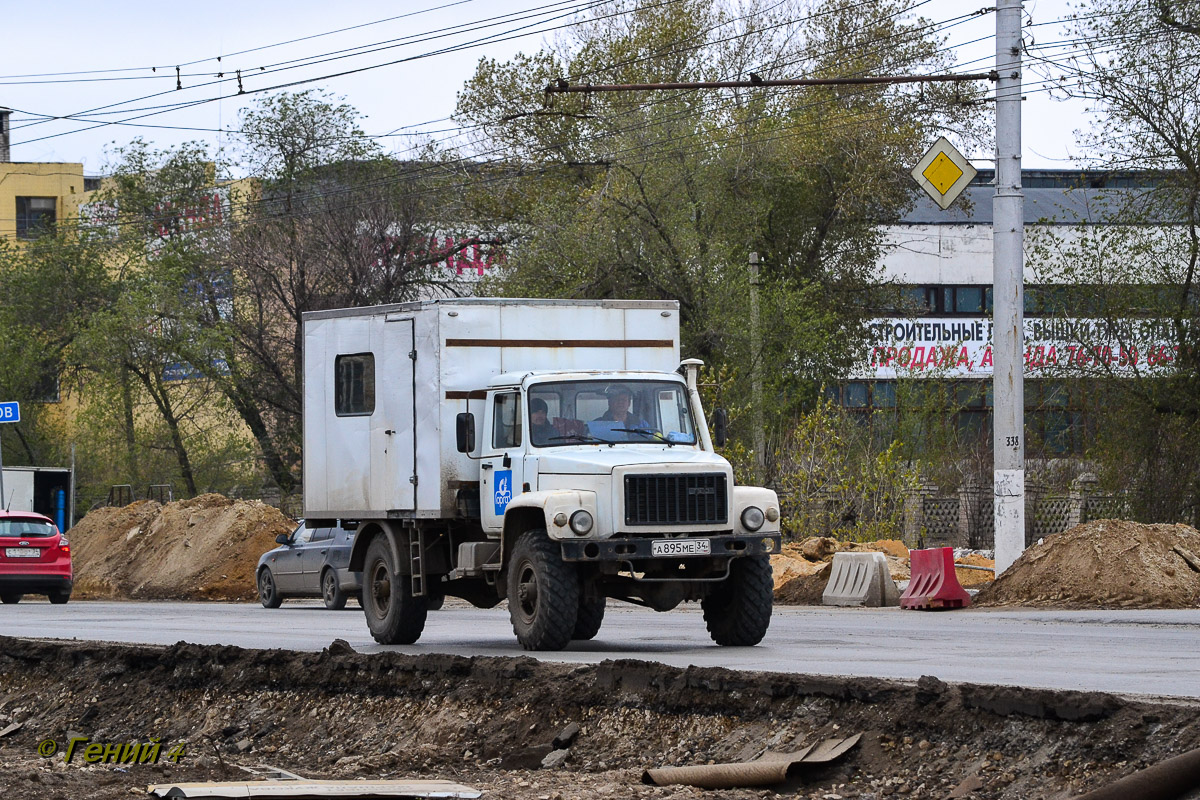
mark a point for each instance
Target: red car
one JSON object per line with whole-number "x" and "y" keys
{"x": 34, "y": 558}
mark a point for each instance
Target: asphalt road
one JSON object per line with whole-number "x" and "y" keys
{"x": 1126, "y": 652}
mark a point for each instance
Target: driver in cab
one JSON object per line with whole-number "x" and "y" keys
{"x": 619, "y": 418}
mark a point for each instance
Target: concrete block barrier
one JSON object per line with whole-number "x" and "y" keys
{"x": 934, "y": 584}
{"x": 860, "y": 579}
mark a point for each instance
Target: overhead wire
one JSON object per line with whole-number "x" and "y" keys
{"x": 551, "y": 166}
{"x": 607, "y": 133}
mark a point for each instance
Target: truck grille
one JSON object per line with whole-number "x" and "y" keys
{"x": 698, "y": 499}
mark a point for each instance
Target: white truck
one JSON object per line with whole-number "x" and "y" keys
{"x": 547, "y": 452}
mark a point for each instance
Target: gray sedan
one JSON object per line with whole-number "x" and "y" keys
{"x": 310, "y": 562}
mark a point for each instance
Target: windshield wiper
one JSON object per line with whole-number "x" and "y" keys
{"x": 646, "y": 432}
{"x": 579, "y": 437}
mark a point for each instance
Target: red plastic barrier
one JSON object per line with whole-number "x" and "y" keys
{"x": 933, "y": 583}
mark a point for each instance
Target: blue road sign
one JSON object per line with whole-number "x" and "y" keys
{"x": 10, "y": 412}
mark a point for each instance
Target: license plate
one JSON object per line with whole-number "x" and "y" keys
{"x": 22, "y": 552}
{"x": 680, "y": 547}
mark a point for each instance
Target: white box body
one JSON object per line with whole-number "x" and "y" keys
{"x": 401, "y": 460}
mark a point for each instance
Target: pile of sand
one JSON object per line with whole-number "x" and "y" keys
{"x": 1105, "y": 564}
{"x": 202, "y": 548}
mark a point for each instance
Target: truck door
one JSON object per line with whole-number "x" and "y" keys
{"x": 501, "y": 470}
{"x": 393, "y": 428}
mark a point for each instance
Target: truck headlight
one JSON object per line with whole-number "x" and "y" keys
{"x": 581, "y": 523}
{"x": 752, "y": 518}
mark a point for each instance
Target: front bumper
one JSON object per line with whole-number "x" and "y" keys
{"x": 639, "y": 549}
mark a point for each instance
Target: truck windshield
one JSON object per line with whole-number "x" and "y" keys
{"x": 609, "y": 412}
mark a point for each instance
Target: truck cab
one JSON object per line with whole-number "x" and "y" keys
{"x": 615, "y": 470}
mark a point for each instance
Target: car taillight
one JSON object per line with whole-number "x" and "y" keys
{"x": 65, "y": 546}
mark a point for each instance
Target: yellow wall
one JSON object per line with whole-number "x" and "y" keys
{"x": 28, "y": 179}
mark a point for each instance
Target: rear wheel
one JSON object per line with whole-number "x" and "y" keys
{"x": 393, "y": 614}
{"x": 331, "y": 593}
{"x": 591, "y": 617}
{"x": 10, "y": 598}
{"x": 268, "y": 592}
{"x": 543, "y": 593}
{"x": 59, "y": 598}
{"x": 738, "y": 610}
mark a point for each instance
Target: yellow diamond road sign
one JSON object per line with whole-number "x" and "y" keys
{"x": 943, "y": 172}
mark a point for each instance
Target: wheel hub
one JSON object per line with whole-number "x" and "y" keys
{"x": 527, "y": 592}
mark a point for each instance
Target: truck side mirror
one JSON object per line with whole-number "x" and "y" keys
{"x": 464, "y": 430}
{"x": 720, "y": 423}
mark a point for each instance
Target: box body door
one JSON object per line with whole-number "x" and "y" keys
{"x": 393, "y": 426}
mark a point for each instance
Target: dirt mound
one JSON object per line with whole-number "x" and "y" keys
{"x": 975, "y": 578}
{"x": 804, "y": 590}
{"x": 1105, "y": 564}
{"x": 202, "y": 548}
{"x": 488, "y": 723}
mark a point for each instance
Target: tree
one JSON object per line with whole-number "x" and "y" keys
{"x": 334, "y": 224}
{"x": 1140, "y": 66}
{"x": 49, "y": 290}
{"x": 160, "y": 221}
{"x": 663, "y": 195}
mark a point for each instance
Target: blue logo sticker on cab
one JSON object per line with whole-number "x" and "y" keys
{"x": 504, "y": 490}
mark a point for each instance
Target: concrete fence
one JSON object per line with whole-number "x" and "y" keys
{"x": 932, "y": 519}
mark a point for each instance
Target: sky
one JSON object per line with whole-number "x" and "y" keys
{"x": 123, "y": 59}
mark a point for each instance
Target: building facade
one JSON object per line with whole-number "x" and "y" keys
{"x": 931, "y": 342}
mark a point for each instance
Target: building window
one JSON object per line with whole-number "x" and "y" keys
{"x": 354, "y": 385}
{"x": 35, "y": 216}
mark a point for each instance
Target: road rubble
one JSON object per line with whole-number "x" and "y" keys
{"x": 494, "y": 723}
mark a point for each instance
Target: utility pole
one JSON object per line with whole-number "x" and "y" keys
{"x": 1008, "y": 231}
{"x": 760, "y": 436}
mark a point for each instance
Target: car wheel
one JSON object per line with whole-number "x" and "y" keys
{"x": 591, "y": 617}
{"x": 737, "y": 610}
{"x": 59, "y": 598}
{"x": 393, "y": 614}
{"x": 543, "y": 593}
{"x": 9, "y": 599}
{"x": 268, "y": 592}
{"x": 335, "y": 598}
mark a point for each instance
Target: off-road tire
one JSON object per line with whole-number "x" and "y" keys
{"x": 393, "y": 614}
{"x": 591, "y": 617}
{"x": 59, "y": 598}
{"x": 10, "y": 599}
{"x": 331, "y": 593}
{"x": 268, "y": 590}
{"x": 435, "y": 600}
{"x": 737, "y": 610}
{"x": 543, "y": 593}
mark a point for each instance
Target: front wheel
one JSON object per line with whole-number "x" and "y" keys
{"x": 268, "y": 592}
{"x": 10, "y": 598}
{"x": 331, "y": 593}
{"x": 591, "y": 617}
{"x": 393, "y": 614}
{"x": 737, "y": 610}
{"x": 543, "y": 593}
